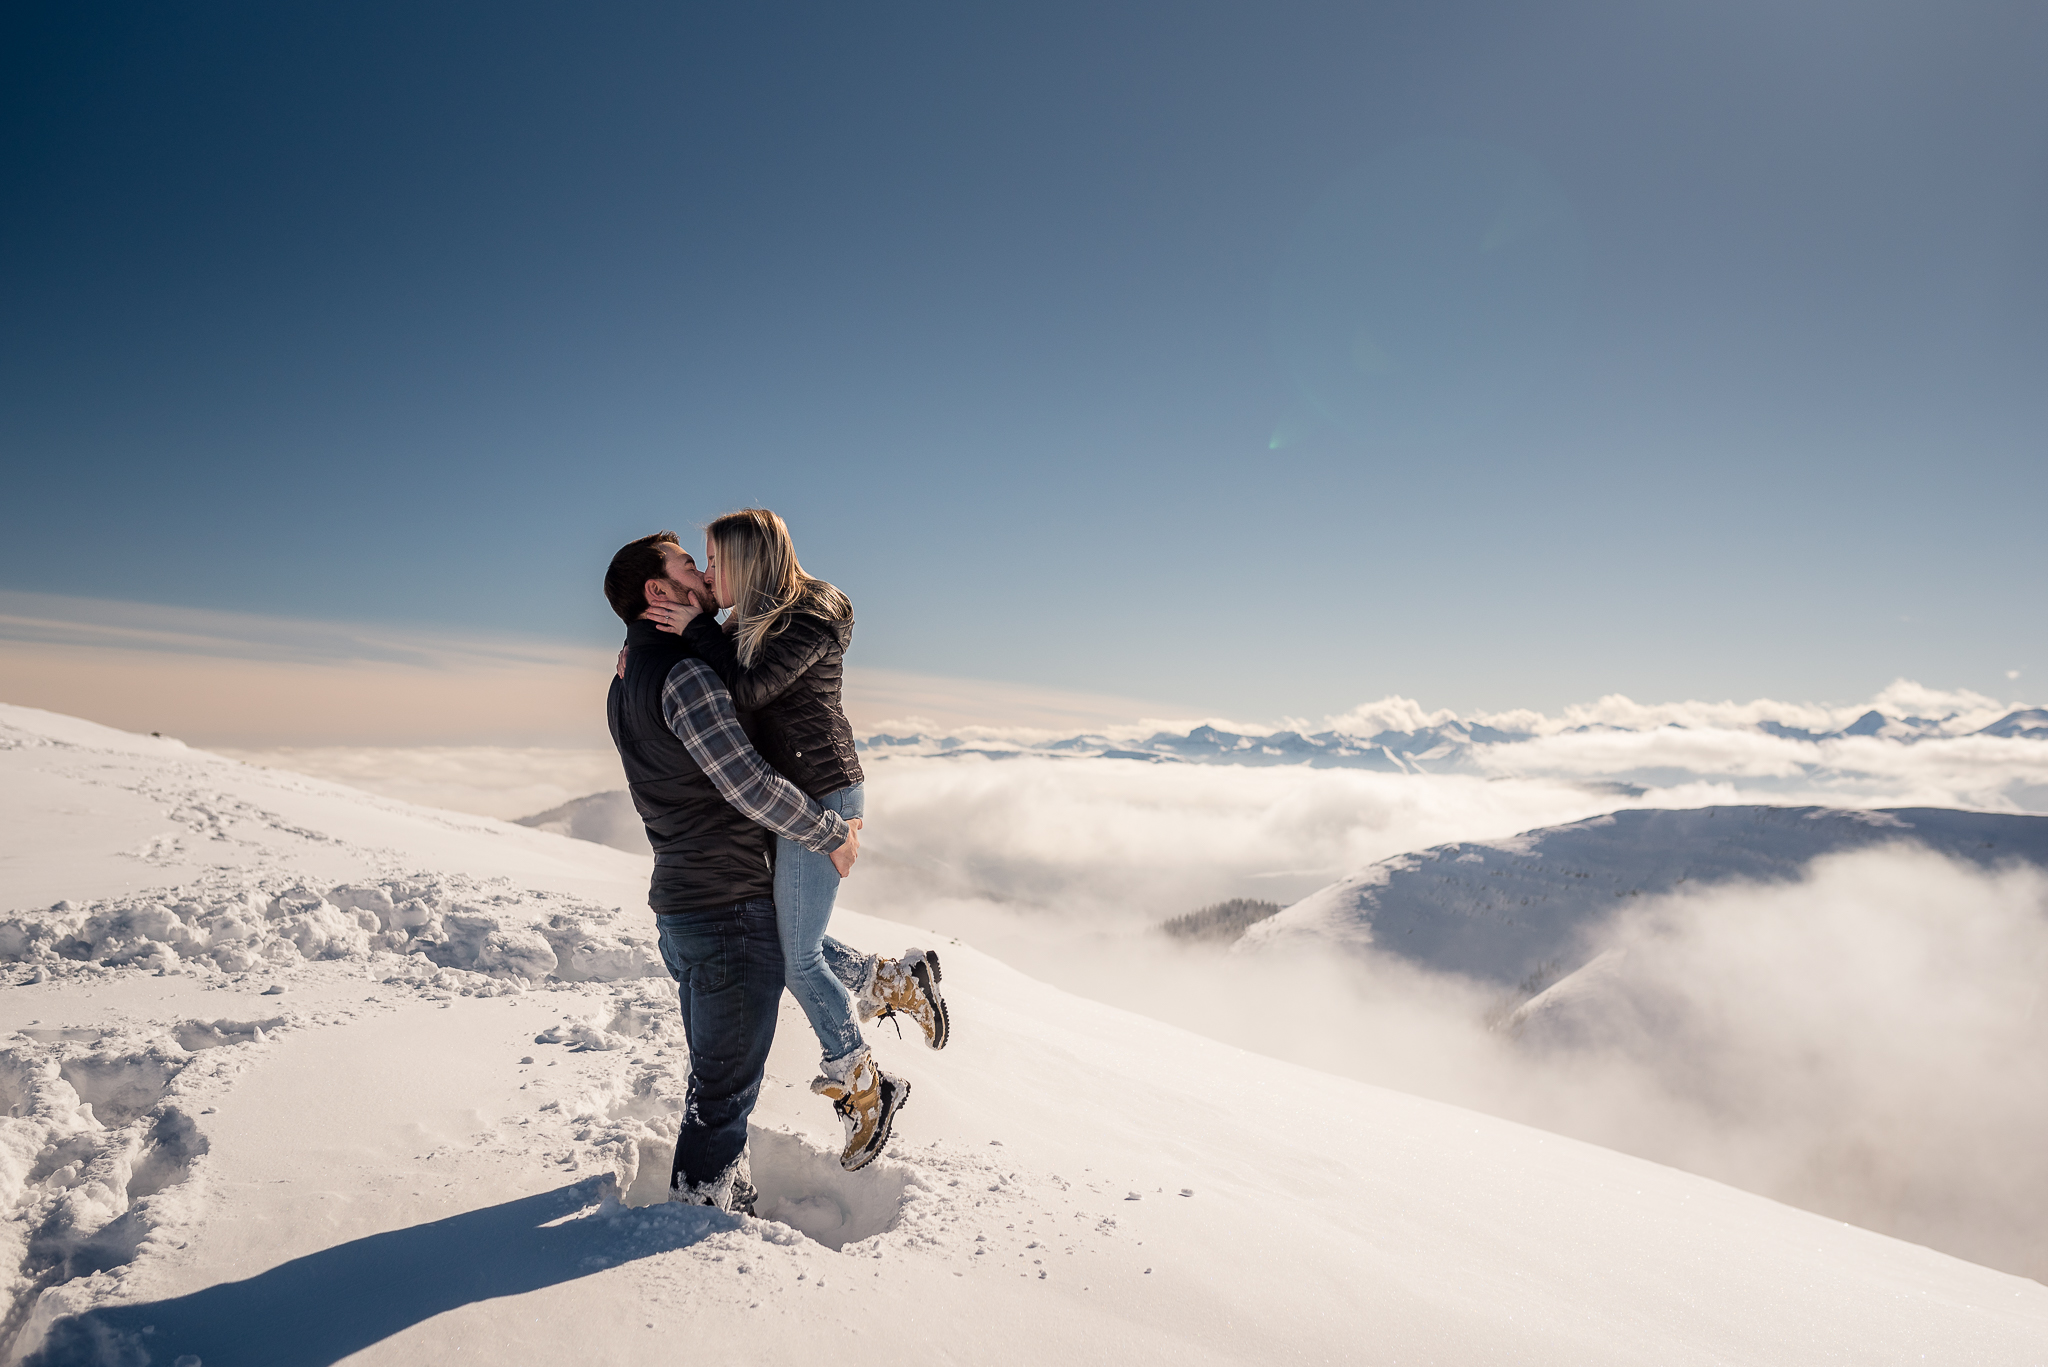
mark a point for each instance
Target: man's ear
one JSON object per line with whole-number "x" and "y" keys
{"x": 661, "y": 591}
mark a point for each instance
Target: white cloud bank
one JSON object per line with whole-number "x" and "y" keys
{"x": 1924, "y": 754}
{"x": 1019, "y": 847}
{"x": 1960, "y": 709}
{"x": 1870, "y": 1043}
{"x": 489, "y": 780}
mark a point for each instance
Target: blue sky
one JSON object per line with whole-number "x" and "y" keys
{"x": 1250, "y": 359}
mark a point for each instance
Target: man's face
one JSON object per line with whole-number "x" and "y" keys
{"x": 683, "y": 578}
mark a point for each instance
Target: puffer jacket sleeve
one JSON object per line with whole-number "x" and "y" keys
{"x": 782, "y": 660}
{"x": 710, "y": 642}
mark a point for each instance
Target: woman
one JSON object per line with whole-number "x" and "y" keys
{"x": 782, "y": 654}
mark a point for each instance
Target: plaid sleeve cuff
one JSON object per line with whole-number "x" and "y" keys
{"x": 699, "y": 711}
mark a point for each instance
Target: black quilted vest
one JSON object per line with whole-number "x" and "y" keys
{"x": 706, "y": 855}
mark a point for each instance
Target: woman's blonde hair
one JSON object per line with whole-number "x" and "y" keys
{"x": 757, "y": 561}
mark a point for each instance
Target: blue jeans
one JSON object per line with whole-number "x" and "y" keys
{"x": 727, "y": 965}
{"x": 818, "y": 968}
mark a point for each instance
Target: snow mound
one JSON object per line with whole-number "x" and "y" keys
{"x": 238, "y": 922}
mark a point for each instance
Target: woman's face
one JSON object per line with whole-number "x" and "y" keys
{"x": 713, "y": 580}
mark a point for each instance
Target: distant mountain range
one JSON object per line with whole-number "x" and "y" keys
{"x": 1450, "y": 747}
{"x": 1430, "y": 749}
{"x": 1519, "y": 911}
{"x": 2027, "y": 724}
{"x": 1446, "y": 748}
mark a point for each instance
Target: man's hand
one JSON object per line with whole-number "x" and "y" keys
{"x": 843, "y": 857}
{"x": 673, "y": 617}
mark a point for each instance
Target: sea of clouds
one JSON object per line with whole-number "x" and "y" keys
{"x": 1870, "y": 1042}
{"x": 1030, "y": 846}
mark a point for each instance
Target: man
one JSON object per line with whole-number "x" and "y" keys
{"x": 709, "y": 803}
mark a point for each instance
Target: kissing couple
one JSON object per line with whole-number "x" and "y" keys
{"x": 741, "y": 764}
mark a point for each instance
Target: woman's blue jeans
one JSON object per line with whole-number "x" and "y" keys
{"x": 818, "y": 969}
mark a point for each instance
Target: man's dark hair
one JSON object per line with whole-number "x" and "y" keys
{"x": 625, "y": 583}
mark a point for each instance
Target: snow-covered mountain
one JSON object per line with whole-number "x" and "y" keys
{"x": 1451, "y": 746}
{"x": 606, "y": 818}
{"x": 1511, "y": 910}
{"x": 1430, "y": 749}
{"x": 2029, "y": 723}
{"x": 295, "y": 1074}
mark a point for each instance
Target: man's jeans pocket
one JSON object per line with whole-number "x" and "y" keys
{"x": 698, "y": 956}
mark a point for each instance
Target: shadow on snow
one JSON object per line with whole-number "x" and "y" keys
{"x": 314, "y": 1311}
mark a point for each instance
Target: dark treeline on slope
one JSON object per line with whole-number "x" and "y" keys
{"x": 1222, "y": 921}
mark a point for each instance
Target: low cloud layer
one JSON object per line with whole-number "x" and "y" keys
{"x": 490, "y": 780}
{"x": 240, "y": 679}
{"x": 1870, "y": 1043}
{"x": 1110, "y": 847}
{"x": 1960, "y": 709}
{"x": 1908, "y": 746}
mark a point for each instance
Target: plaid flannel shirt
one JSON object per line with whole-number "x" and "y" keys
{"x": 697, "y": 708}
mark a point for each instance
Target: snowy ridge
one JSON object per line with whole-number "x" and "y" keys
{"x": 1504, "y": 911}
{"x": 344, "y": 1154}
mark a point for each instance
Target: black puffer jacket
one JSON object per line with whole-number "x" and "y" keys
{"x": 790, "y": 697}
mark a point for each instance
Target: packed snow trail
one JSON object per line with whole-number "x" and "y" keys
{"x": 376, "y": 1156}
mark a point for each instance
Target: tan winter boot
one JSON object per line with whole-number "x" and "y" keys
{"x": 909, "y": 985}
{"x": 867, "y": 1099}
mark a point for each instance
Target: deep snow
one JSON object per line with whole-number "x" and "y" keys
{"x": 270, "y": 1132}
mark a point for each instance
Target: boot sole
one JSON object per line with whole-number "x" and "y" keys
{"x": 929, "y": 981}
{"x": 894, "y": 1094}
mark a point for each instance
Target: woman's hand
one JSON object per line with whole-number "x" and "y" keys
{"x": 843, "y": 857}
{"x": 622, "y": 662}
{"x": 673, "y": 617}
